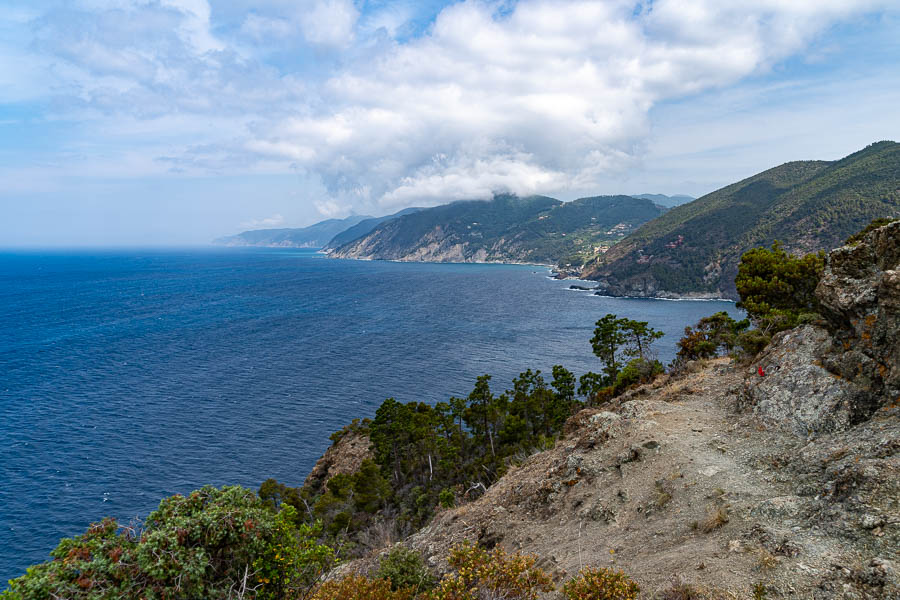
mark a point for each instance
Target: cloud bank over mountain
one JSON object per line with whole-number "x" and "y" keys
{"x": 387, "y": 104}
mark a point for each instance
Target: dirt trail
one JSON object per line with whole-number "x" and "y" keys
{"x": 674, "y": 483}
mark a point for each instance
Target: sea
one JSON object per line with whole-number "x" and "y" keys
{"x": 130, "y": 375}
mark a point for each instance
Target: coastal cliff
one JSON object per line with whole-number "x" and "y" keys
{"x": 508, "y": 229}
{"x": 782, "y": 473}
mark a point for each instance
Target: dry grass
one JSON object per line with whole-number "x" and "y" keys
{"x": 766, "y": 560}
{"x": 663, "y": 496}
{"x": 680, "y": 589}
{"x": 379, "y": 536}
{"x": 716, "y": 518}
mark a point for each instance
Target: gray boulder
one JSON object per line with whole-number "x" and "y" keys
{"x": 797, "y": 393}
{"x": 819, "y": 379}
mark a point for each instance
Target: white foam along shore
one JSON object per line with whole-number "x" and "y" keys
{"x": 698, "y": 299}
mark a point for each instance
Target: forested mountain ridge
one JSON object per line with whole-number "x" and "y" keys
{"x": 314, "y": 236}
{"x": 364, "y": 227}
{"x": 507, "y": 228}
{"x": 694, "y": 249}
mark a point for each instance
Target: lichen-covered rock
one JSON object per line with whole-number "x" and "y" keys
{"x": 828, "y": 379}
{"x": 796, "y": 392}
{"x": 860, "y": 296}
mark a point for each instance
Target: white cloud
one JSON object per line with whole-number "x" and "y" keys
{"x": 537, "y": 96}
{"x": 262, "y": 28}
{"x": 329, "y": 22}
{"x": 552, "y": 96}
{"x": 195, "y": 27}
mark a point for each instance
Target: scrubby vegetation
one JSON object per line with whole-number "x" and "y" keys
{"x": 614, "y": 341}
{"x": 482, "y": 574}
{"x": 404, "y": 568}
{"x": 716, "y": 335}
{"x": 777, "y": 289}
{"x": 601, "y": 584}
{"x": 429, "y": 457}
{"x": 212, "y": 543}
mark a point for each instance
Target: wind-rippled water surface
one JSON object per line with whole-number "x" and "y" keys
{"x": 127, "y": 376}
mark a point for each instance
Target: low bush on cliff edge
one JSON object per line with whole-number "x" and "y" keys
{"x": 777, "y": 289}
{"x": 212, "y": 543}
{"x": 404, "y": 568}
{"x": 481, "y": 574}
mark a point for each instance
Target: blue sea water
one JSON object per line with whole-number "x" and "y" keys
{"x": 127, "y": 376}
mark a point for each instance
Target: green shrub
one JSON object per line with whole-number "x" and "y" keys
{"x": 711, "y": 336}
{"x": 293, "y": 560}
{"x": 404, "y": 568}
{"x": 601, "y": 584}
{"x": 776, "y": 287}
{"x": 637, "y": 371}
{"x": 753, "y": 342}
{"x": 208, "y": 544}
{"x": 447, "y": 498}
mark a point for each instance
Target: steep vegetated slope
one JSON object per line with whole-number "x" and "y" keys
{"x": 808, "y": 206}
{"x": 505, "y": 229}
{"x": 364, "y": 227}
{"x": 314, "y": 236}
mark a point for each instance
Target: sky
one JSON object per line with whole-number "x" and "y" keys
{"x": 172, "y": 122}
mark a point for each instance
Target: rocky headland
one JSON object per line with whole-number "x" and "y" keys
{"x": 781, "y": 474}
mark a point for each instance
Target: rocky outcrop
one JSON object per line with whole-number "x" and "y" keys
{"x": 649, "y": 287}
{"x": 821, "y": 379}
{"x": 796, "y": 392}
{"x": 860, "y": 296}
{"x": 345, "y": 455}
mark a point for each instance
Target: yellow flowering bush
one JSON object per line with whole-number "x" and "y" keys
{"x": 483, "y": 575}
{"x": 357, "y": 587}
{"x": 600, "y": 584}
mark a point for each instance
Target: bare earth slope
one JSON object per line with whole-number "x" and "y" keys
{"x": 647, "y": 489}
